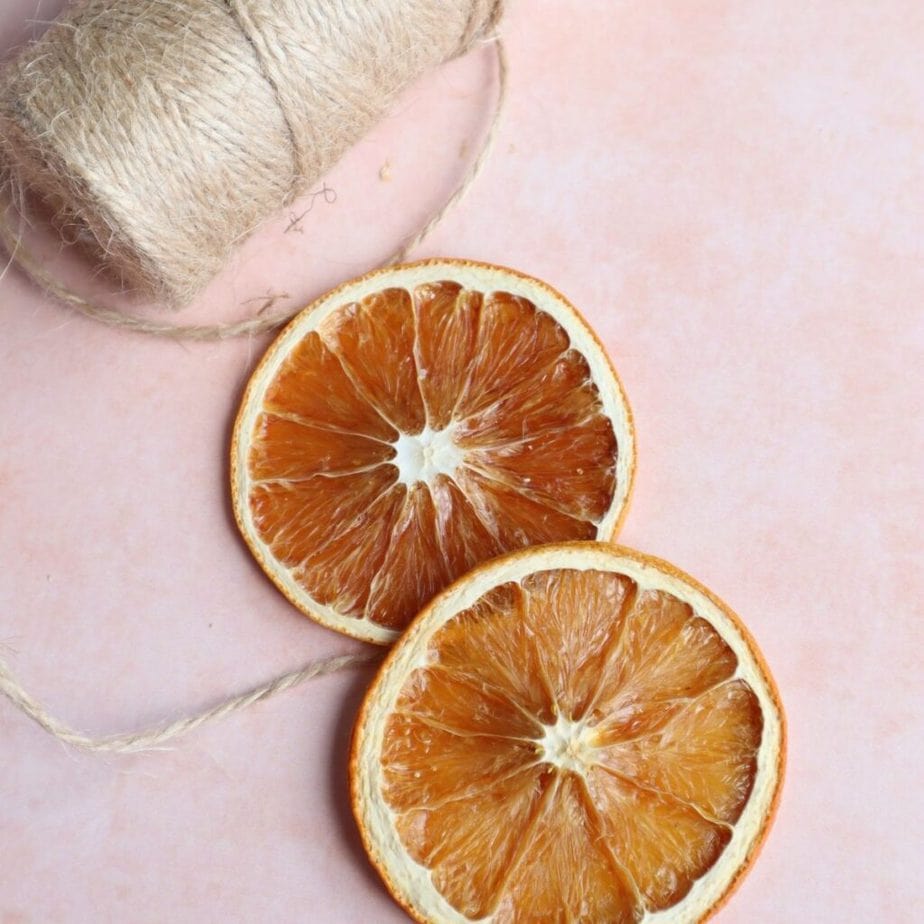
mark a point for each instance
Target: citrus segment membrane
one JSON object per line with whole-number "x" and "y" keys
{"x": 587, "y": 743}
{"x": 412, "y": 425}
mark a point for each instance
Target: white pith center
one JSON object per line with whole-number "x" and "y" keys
{"x": 568, "y": 744}
{"x": 422, "y": 456}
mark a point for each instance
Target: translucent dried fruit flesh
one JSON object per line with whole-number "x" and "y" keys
{"x": 416, "y": 431}
{"x": 572, "y": 747}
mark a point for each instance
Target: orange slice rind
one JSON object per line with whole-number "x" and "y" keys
{"x": 415, "y": 422}
{"x": 575, "y": 732}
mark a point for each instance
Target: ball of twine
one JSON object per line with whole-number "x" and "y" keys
{"x": 166, "y": 132}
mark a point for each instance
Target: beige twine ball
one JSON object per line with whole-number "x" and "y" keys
{"x": 166, "y": 131}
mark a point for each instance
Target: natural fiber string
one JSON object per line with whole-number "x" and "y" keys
{"x": 31, "y": 265}
{"x": 159, "y": 735}
{"x": 166, "y": 132}
{"x": 20, "y": 255}
{"x": 474, "y": 170}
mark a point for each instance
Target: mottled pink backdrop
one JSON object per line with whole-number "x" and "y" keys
{"x": 732, "y": 192}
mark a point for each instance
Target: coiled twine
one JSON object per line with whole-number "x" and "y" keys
{"x": 165, "y": 131}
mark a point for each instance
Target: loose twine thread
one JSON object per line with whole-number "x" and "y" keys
{"x": 325, "y": 100}
{"x": 159, "y": 734}
{"x": 397, "y": 40}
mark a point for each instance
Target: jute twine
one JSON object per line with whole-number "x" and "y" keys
{"x": 158, "y": 735}
{"x": 161, "y": 134}
{"x": 165, "y": 132}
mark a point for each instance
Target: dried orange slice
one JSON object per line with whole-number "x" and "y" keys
{"x": 415, "y": 422}
{"x": 575, "y": 732}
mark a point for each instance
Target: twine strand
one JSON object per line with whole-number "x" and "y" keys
{"x": 474, "y": 171}
{"x": 158, "y": 735}
{"x": 25, "y": 259}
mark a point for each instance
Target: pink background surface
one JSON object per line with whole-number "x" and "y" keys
{"x": 731, "y": 192}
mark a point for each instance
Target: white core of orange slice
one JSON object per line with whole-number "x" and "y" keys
{"x": 422, "y": 456}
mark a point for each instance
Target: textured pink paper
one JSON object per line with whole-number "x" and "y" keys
{"x": 732, "y": 193}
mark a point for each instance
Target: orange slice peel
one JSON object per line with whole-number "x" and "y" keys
{"x": 572, "y": 732}
{"x": 415, "y": 422}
